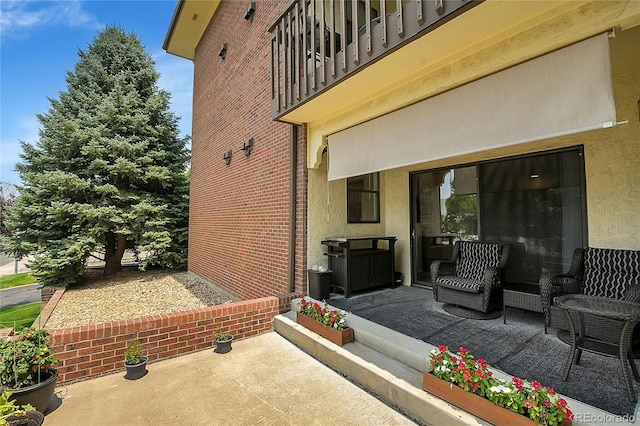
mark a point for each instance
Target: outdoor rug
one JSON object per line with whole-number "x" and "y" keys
{"x": 519, "y": 348}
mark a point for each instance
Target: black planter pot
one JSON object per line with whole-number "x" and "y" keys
{"x": 39, "y": 396}
{"x": 30, "y": 418}
{"x": 136, "y": 371}
{"x": 223, "y": 346}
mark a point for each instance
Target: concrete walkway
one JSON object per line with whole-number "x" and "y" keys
{"x": 11, "y": 267}
{"x": 264, "y": 380}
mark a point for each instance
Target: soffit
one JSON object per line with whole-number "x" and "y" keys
{"x": 190, "y": 20}
{"x": 442, "y": 52}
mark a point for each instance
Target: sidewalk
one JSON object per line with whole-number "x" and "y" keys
{"x": 264, "y": 380}
{"x": 10, "y": 268}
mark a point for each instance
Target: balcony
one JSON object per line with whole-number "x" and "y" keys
{"x": 316, "y": 44}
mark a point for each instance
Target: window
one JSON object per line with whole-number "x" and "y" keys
{"x": 363, "y": 199}
{"x": 534, "y": 202}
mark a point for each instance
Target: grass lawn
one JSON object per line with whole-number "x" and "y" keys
{"x": 22, "y": 316}
{"x": 16, "y": 280}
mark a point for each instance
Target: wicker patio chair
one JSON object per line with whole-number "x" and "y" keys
{"x": 474, "y": 276}
{"x": 596, "y": 272}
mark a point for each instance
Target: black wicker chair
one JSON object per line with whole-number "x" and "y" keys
{"x": 595, "y": 272}
{"x": 474, "y": 276}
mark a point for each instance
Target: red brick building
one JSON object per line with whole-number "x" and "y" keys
{"x": 380, "y": 120}
{"x": 248, "y": 213}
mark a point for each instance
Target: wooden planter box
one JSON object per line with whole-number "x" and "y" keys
{"x": 472, "y": 403}
{"x": 336, "y": 336}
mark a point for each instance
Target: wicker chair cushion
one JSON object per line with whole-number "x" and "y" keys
{"x": 475, "y": 258}
{"x": 632, "y": 294}
{"x": 609, "y": 272}
{"x": 462, "y": 284}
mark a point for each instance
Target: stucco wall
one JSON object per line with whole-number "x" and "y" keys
{"x": 613, "y": 173}
{"x": 327, "y": 213}
{"x": 612, "y": 165}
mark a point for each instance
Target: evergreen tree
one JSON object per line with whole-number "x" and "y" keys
{"x": 108, "y": 171}
{"x": 8, "y": 194}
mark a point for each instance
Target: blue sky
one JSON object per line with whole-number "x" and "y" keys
{"x": 39, "y": 43}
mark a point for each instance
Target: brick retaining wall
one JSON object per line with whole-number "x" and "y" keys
{"x": 95, "y": 350}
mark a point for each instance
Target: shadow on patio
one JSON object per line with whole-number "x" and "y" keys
{"x": 519, "y": 348}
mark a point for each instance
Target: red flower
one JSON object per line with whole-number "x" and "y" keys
{"x": 561, "y": 402}
{"x": 442, "y": 348}
{"x": 463, "y": 351}
{"x": 536, "y": 385}
{"x": 518, "y": 383}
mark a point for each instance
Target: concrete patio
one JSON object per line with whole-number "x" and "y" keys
{"x": 263, "y": 380}
{"x": 289, "y": 376}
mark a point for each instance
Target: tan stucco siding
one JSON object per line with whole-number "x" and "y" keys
{"x": 613, "y": 173}
{"x": 612, "y": 166}
{"x": 328, "y": 213}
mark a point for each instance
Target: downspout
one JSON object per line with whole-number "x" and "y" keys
{"x": 293, "y": 183}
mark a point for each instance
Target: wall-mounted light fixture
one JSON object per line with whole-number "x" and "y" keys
{"x": 250, "y": 11}
{"x": 247, "y": 146}
{"x": 223, "y": 51}
{"x": 227, "y": 156}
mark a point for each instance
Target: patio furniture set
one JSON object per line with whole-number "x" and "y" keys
{"x": 595, "y": 306}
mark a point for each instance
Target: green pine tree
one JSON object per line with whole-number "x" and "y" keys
{"x": 108, "y": 172}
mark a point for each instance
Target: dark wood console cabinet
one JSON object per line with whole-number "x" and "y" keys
{"x": 361, "y": 263}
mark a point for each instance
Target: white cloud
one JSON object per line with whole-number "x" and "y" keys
{"x": 17, "y": 17}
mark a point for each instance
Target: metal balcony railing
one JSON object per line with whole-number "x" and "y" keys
{"x": 317, "y": 43}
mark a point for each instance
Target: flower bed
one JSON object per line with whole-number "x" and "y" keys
{"x": 540, "y": 404}
{"x": 329, "y": 323}
{"x": 330, "y": 317}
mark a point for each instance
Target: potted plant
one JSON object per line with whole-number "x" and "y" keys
{"x": 223, "y": 340}
{"x": 468, "y": 383}
{"x": 329, "y": 323}
{"x": 12, "y": 414}
{"x": 134, "y": 362}
{"x": 25, "y": 367}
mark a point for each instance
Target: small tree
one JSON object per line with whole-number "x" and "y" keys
{"x": 461, "y": 217}
{"x": 108, "y": 171}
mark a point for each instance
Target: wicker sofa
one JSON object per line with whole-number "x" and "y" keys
{"x": 596, "y": 272}
{"x": 473, "y": 277}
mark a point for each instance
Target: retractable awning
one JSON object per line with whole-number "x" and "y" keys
{"x": 564, "y": 92}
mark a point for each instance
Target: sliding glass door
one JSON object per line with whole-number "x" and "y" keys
{"x": 535, "y": 203}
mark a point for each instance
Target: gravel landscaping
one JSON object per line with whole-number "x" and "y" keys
{"x": 131, "y": 294}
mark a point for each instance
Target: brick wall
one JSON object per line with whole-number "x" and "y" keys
{"x": 239, "y": 213}
{"x": 94, "y": 350}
